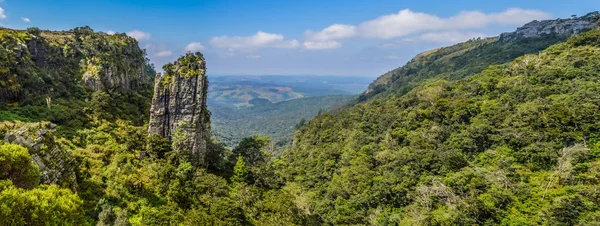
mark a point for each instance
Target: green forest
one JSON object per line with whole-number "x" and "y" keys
{"x": 451, "y": 138}
{"x": 275, "y": 120}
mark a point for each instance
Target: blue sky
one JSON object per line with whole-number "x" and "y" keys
{"x": 291, "y": 37}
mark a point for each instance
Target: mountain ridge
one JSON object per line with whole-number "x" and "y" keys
{"x": 452, "y": 62}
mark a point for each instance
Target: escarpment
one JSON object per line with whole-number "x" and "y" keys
{"x": 559, "y": 27}
{"x": 40, "y": 64}
{"x": 178, "y": 110}
{"x": 471, "y": 57}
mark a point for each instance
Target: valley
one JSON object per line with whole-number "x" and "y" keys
{"x": 495, "y": 123}
{"x": 272, "y": 106}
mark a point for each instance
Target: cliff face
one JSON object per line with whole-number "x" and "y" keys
{"x": 563, "y": 27}
{"x": 179, "y": 110}
{"x": 38, "y": 64}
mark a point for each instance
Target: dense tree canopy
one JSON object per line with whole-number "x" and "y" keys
{"x": 514, "y": 144}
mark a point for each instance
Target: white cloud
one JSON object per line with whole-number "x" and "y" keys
{"x": 253, "y": 57}
{"x": 322, "y": 45}
{"x": 407, "y": 22}
{"x": 333, "y": 32}
{"x": 259, "y": 40}
{"x": 164, "y": 53}
{"x": 110, "y": 32}
{"x": 288, "y": 44}
{"x": 2, "y": 15}
{"x": 139, "y": 35}
{"x": 194, "y": 47}
{"x": 450, "y": 36}
{"x": 25, "y": 19}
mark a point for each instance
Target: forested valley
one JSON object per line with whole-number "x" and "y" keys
{"x": 495, "y": 131}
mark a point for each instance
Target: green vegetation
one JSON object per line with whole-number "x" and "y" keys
{"x": 17, "y": 166}
{"x": 513, "y": 144}
{"x": 516, "y": 144}
{"x": 455, "y": 62}
{"x": 23, "y": 203}
{"x": 50, "y": 76}
{"x": 275, "y": 120}
{"x": 246, "y": 95}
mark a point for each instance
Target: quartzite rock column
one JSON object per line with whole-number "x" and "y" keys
{"x": 179, "y": 110}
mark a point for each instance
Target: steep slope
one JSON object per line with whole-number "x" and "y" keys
{"x": 59, "y": 76}
{"x": 516, "y": 144}
{"x": 471, "y": 57}
{"x": 53, "y": 64}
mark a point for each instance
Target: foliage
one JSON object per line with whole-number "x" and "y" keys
{"x": 514, "y": 144}
{"x": 51, "y": 76}
{"x": 16, "y": 165}
{"x": 455, "y": 62}
{"x": 240, "y": 172}
{"x": 275, "y": 120}
{"x": 46, "y": 205}
{"x": 511, "y": 145}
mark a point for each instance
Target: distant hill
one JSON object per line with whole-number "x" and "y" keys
{"x": 243, "y": 106}
{"x": 243, "y": 94}
{"x": 466, "y": 59}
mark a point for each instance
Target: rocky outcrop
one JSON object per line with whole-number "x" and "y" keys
{"x": 561, "y": 27}
{"x": 179, "y": 110}
{"x": 38, "y": 64}
{"x": 105, "y": 73}
{"x": 56, "y": 163}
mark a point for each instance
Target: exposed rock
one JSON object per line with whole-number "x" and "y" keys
{"x": 179, "y": 110}
{"x": 43, "y": 64}
{"x": 56, "y": 164}
{"x": 563, "y": 27}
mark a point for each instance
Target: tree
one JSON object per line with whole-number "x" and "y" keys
{"x": 16, "y": 165}
{"x": 100, "y": 106}
{"x": 251, "y": 149}
{"x": 240, "y": 172}
{"x": 47, "y": 205}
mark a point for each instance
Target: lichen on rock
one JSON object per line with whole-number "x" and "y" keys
{"x": 179, "y": 109}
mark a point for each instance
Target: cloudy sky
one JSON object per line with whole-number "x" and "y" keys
{"x": 291, "y": 37}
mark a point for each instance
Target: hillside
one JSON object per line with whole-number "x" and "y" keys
{"x": 516, "y": 144}
{"x": 57, "y": 76}
{"x": 496, "y": 131}
{"x": 471, "y": 57}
